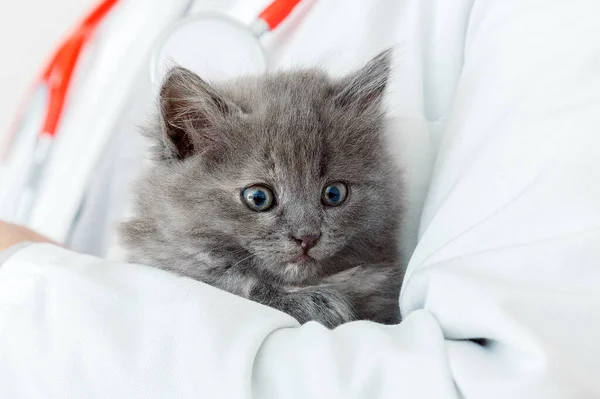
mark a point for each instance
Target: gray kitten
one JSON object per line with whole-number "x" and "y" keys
{"x": 277, "y": 188}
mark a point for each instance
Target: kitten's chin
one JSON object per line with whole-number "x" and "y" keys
{"x": 303, "y": 258}
{"x": 299, "y": 271}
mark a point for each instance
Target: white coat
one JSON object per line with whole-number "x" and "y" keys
{"x": 501, "y": 298}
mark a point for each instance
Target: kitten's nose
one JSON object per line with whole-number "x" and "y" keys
{"x": 307, "y": 242}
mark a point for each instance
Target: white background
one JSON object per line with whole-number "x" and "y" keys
{"x": 30, "y": 30}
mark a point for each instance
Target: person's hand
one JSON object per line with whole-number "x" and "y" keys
{"x": 12, "y": 234}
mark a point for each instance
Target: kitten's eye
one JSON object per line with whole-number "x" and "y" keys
{"x": 334, "y": 194}
{"x": 258, "y": 198}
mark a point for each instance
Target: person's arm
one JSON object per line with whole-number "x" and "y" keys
{"x": 13, "y": 238}
{"x": 74, "y": 323}
{"x": 10, "y": 251}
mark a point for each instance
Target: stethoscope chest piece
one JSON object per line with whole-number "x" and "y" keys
{"x": 213, "y": 46}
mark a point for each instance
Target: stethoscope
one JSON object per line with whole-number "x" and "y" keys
{"x": 189, "y": 42}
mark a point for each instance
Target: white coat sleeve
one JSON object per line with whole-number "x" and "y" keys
{"x": 80, "y": 327}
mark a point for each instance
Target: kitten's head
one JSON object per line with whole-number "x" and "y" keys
{"x": 287, "y": 170}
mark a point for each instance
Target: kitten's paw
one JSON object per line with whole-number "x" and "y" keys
{"x": 324, "y": 305}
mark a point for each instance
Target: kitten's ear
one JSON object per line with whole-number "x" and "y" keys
{"x": 363, "y": 90}
{"x": 190, "y": 109}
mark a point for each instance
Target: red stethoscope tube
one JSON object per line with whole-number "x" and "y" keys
{"x": 57, "y": 75}
{"x": 277, "y": 11}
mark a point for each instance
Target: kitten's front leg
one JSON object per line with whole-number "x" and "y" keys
{"x": 372, "y": 290}
{"x": 323, "y": 304}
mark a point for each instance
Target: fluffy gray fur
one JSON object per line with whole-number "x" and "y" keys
{"x": 294, "y": 132}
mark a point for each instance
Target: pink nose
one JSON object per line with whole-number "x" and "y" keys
{"x": 306, "y": 242}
